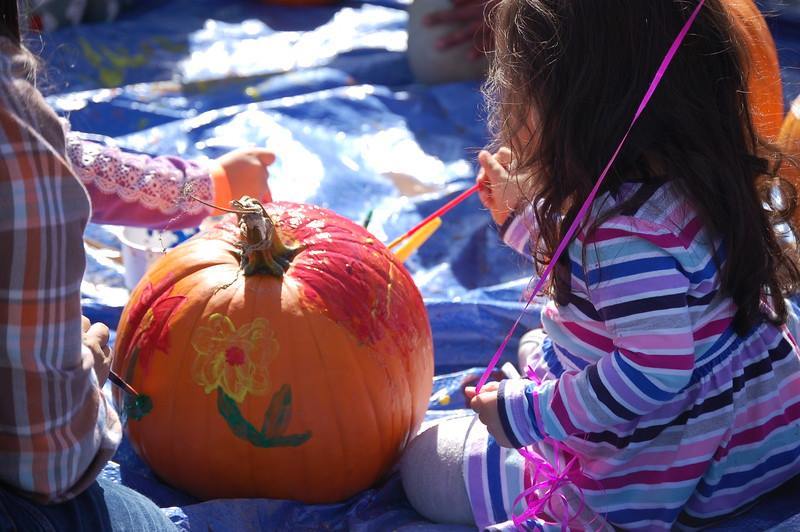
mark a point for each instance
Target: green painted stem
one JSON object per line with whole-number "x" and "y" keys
{"x": 276, "y": 421}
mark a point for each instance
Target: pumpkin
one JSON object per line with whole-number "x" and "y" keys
{"x": 789, "y": 143}
{"x": 285, "y": 355}
{"x": 764, "y": 75}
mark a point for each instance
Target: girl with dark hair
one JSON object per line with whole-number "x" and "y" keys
{"x": 664, "y": 389}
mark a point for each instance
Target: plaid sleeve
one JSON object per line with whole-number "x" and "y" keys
{"x": 56, "y": 428}
{"x": 139, "y": 190}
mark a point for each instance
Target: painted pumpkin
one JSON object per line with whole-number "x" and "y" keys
{"x": 789, "y": 142}
{"x": 764, "y": 78}
{"x": 285, "y": 355}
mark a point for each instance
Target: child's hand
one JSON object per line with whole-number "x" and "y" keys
{"x": 247, "y": 172}
{"x": 497, "y": 193}
{"x": 485, "y": 405}
{"x": 95, "y": 338}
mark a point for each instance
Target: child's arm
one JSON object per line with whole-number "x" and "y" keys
{"x": 156, "y": 192}
{"x": 640, "y": 291}
{"x": 57, "y": 430}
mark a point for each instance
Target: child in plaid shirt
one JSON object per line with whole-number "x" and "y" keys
{"x": 57, "y": 430}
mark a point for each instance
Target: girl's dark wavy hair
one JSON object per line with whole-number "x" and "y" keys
{"x": 577, "y": 71}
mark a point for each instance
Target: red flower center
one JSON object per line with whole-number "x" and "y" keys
{"x": 234, "y": 355}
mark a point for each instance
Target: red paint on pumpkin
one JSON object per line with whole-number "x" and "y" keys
{"x": 339, "y": 259}
{"x": 153, "y": 310}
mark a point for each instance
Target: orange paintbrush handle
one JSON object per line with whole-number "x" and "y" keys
{"x": 420, "y": 237}
{"x": 436, "y": 214}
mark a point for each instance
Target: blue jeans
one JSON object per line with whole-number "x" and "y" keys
{"x": 105, "y": 506}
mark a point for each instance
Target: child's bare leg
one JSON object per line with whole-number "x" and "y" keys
{"x": 432, "y": 473}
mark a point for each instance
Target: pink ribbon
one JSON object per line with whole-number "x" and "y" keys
{"x": 554, "y": 479}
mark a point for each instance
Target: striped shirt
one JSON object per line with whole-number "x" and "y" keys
{"x": 56, "y": 428}
{"x": 674, "y": 418}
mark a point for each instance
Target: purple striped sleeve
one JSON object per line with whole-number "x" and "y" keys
{"x": 517, "y": 412}
{"x": 519, "y": 230}
{"x": 639, "y": 290}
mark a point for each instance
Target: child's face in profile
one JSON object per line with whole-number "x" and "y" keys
{"x": 524, "y": 142}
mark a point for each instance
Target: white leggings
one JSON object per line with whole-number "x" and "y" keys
{"x": 448, "y": 469}
{"x": 433, "y": 465}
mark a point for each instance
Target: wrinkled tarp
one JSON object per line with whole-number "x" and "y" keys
{"x": 330, "y": 91}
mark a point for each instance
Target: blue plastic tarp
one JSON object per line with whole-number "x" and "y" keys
{"x": 330, "y": 91}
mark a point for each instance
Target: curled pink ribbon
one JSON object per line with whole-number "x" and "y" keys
{"x": 554, "y": 479}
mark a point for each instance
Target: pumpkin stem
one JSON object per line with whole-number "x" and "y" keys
{"x": 263, "y": 252}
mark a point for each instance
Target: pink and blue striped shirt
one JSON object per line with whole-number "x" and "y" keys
{"x": 674, "y": 418}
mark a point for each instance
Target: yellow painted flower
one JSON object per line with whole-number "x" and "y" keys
{"x": 233, "y": 359}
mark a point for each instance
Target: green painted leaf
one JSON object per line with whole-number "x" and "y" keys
{"x": 277, "y": 416}
{"x": 294, "y": 440}
{"x": 236, "y": 421}
{"x": 241, "y": 428}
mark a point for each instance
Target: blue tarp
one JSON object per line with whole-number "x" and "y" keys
{"x": 331, "y": 92}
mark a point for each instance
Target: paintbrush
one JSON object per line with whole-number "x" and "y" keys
{"x": 124, "y": 386}
{"x": 416, "y": 240}
{"x": 444, "y": 209}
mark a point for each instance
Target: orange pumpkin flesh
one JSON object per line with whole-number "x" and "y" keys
{"x": 334, "y": 355}
{"x": 764, "y": 76}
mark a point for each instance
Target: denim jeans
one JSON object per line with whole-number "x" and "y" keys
{"x": 105, "y": 506}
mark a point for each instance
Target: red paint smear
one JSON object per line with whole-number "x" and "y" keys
{"x": 348, "y": 275}
{"x": 155, "y": 337}
{"x": 139, "y": 305}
